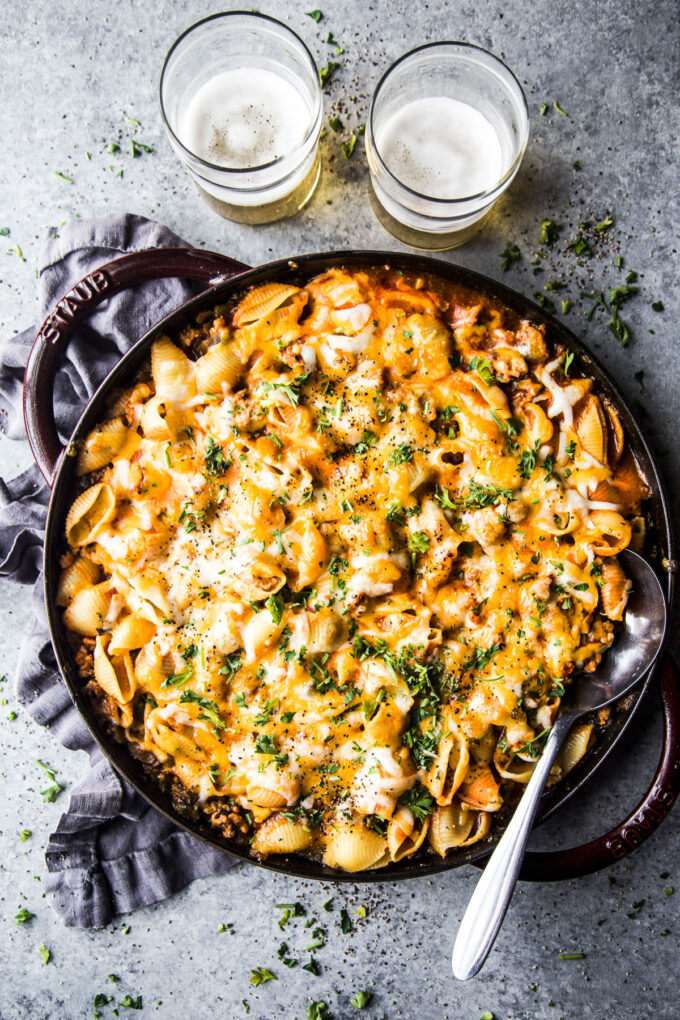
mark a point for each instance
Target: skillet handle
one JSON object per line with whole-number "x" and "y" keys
{"x": 57, "y": 329}
{"x": 641, "y": 823}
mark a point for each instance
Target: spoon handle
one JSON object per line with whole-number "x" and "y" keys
{"x": 492, "y": 895}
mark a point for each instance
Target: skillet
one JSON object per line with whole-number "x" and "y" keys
{"x": 226, "y": 278}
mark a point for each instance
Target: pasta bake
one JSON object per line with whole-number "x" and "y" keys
{"x": 336, "y": 556}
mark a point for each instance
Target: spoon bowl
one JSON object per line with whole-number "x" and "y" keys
{"x": 632, "y": 654}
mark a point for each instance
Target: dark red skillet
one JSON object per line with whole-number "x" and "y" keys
{"x": 225, "y": 277}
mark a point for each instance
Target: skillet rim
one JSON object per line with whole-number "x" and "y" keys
{"x": 306, "y": 266}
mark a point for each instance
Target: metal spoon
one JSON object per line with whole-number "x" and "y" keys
{"x": 625, "y": 663}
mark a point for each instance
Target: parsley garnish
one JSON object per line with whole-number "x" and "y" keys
{"x": 361, "y": 1000}
{"x": 419, "y": 801}
{"x": 345, "y": 922}
{"x": 259, "y": 975}
{"x": 402, "y": 454}
{"x": 550, "y": 232}
{"x": 51, "y": 792}
{"x": 509, "y": 255}
{"x": 276, "y": 607}
{"x": 215, "y": 460}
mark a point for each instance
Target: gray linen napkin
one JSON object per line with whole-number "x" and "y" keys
{"x": 111, "y": 852}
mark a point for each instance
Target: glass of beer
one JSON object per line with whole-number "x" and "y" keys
{"x": 446, "y": 133}
{"x": 241, "y": 101}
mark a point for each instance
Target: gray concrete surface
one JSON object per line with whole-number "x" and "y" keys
{"x": 69, "y": 75}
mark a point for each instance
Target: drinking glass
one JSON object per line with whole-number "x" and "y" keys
{"x": 225, "y": 42}
{"x": 471, "y": 75}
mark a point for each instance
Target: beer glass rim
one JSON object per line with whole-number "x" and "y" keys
{"x": 279, "y": 160}
{"x": 453, "y": 45}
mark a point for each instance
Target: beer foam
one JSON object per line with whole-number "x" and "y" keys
{"x": 441, "y": 147}
{"x": 244, "y": 118}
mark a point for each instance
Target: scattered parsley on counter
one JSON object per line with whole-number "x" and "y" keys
{"x": 23, "y": 916}
{"x": 550, "y": 232}
{"x": 572, "y": 956}
{"x": 62, "y": 177}
{"x": 509, "y": 255}
{"x": 129, "y": 1003}
{"x": 318, "y": 1011}
{"x": 345, "y": 923}
{"x": 51, "y": 792}
{"x": 327, "y": 72}
{"x": 657, "y": 306}
{"x": 260, "y": 975}
{"x": 137, "y": 148}
{"x": 361, "y": 911}
{"x": 544, "y": 109}
{"x": 361, "y": 1000}
{"x": 606, "y": 223}
{"x": 348, "y": 147}
{"x": 335, "y": 124}
{"x": 559, "y": 109}
{"x": 45, "y": 953}
{"x": 315, "y": 15}
{"x": 25, "y": 834}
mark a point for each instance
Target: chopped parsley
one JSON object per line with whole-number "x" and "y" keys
{"x": 361, "y": 1000}
{"x": 259, "y": 975}
{"x": 549, "y": 233}
{"x": 215, "y": 460}
{"x": 276, "y": 607}
{"x": 419, "y": 801}
{"x": 402, "y": 454}
{"x": 51, "y": 792}
{"x": 509, "y": 256}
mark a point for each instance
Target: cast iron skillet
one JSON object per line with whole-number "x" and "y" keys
{"x": 225, "y": 277}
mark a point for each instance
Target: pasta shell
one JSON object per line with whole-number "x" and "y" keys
{"x": 173, "y": 741}
{"x": 153, "y": 588}
{"x": 638, "y": 527}
{"x": 591, "y": 428}
{"x": 171, "y": 370}
{"x": 87, "y": 611}
{"x": 81, "y": 574}
{"x": 539, "y": 427}
{"x": 614, "y": 590}
{"x": 616, "y": 438}
{"x": 354, "y": 848}
{"x": 259, "y": 301}
{"x": 451, "y": 764}
{"x": 326, "y": 631}
{"x": 405, "y": 835}
{"x": 279, "y": 835}
{"x": 509, "y": 766}
{"x": 114, "y": 675}
{"x": 160, "y": 420}
{"x": 611, "y": 532}
{"x": 101, "y": 446}
{"x": 258, "y": 578}
{"x": 480, "y": 789}
{"x": 265, "y": 798}
{"x": 132, "y": 632}
{"x": 450, "y": 827}
{"x": 574, "y": 747}
{"x": 218, "y": 365}
{"x": 90, "y": 513}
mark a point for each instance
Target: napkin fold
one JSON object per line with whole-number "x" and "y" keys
{"x": 112, "y": 852}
